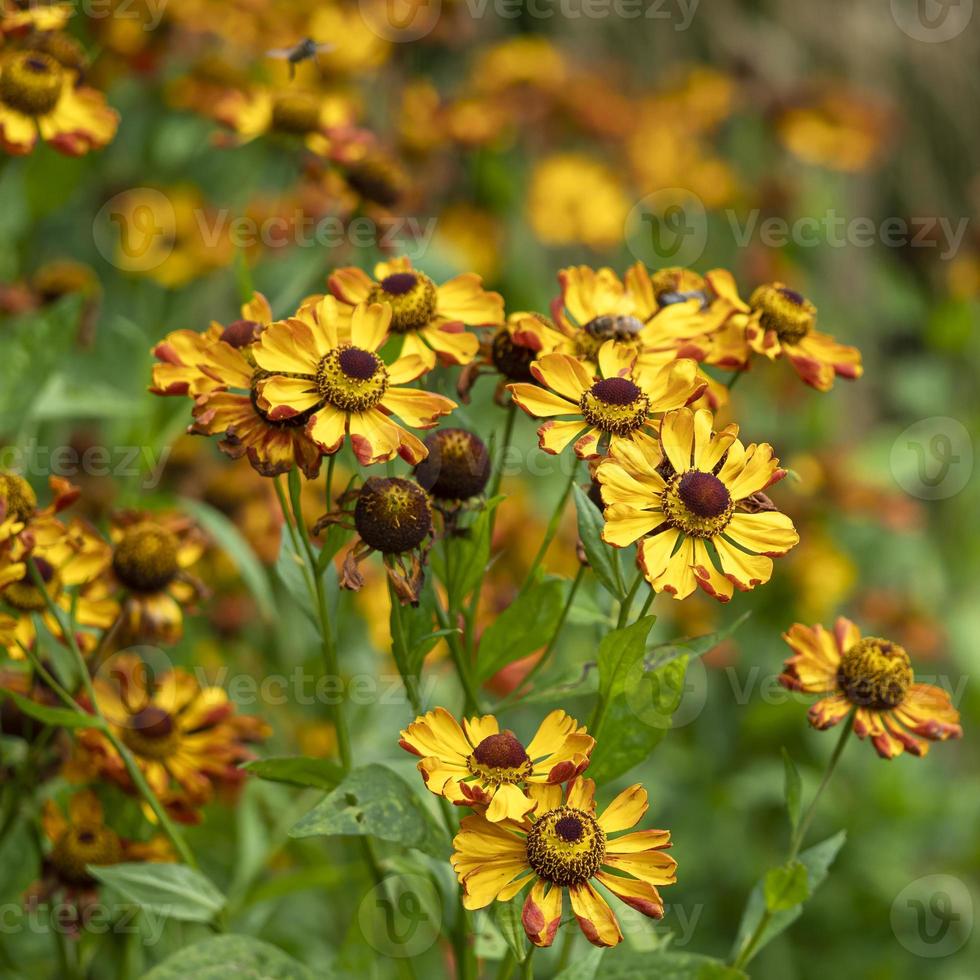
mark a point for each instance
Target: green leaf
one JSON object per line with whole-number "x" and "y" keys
{"x": 376, "y": 802}
{"x": 785, "y": 886}
{"x": 602, "y": 557}
{"x": 507, "y": 916}
{"x": 289, "y": 569}
{"x": 55, "y": 717}
{"x": 793, "y": 791}
{"x": 817, "y": 861}
{"x": 297, "y": 770}
{"x": 667, "y": 965}
{"x": 174, "y": 890}
{"x": 584, "y": 965}
{"x": 230, "y": 956}
{"x": 526, "y": 625}
{"x": 635, "y": 702}
{"x": 233, "y": 543}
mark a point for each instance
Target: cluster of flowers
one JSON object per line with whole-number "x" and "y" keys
{"x": 98, "y": 597}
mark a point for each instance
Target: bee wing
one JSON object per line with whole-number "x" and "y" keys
{"x": 279, "y": 52}
{"x": 325, "y": 47}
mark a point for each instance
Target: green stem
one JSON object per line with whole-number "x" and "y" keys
{"x": 552, "y": 643}
{"x": 135, "y": 773}
{"x": 400, "y": 650}
{"x": 504, "y": 446}
{"x": 735, "y": 378}
{"x": 627, "y": 604}
{"x": 459, "y": 658}
{"x": 552, "y": 528}
{"x": 529, "y": 964}
{"x": 748, "y": 950}
{"x": 318, "y": 594}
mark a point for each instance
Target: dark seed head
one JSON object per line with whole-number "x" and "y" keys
{"x": 569, "y": 829}
{"x": 392, "y": 515}
{"x": 153, "y": 722}
{"x": 399, "y": 283}
{"x": 457, "y": 467}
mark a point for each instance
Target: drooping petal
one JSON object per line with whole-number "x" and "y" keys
{"x": 595, "y": 918}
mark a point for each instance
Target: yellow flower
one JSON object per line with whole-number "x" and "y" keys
{"x": 331, "y": 369}
{"x": 480, "y": 766}
{"x": 68, "y": 559}
{"x": 151, "y": 558}
{"x": 430, "y": 318}
{"x": 79, "y": 839}
{"x": 780, "y": 321}
{"x": 873, "y": 678}
{"x": 564, "y": 845}
{"x": 616, "y": 408}
{"x": 41, "y": 17}
{"x": 187, "y": 739}
{"x": 39, "y": 95}
{"x": 704, "y": 489}
{"x": 575, "y": 200}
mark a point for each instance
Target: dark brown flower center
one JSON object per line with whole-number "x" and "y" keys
{"x": 145, "y": 559}
{"x": 616, "y": 391}
{"x": 566, "y": 846}
{"x": 457, "y": 467}
{"x": 500, "y": 751}
{"x": 80, "y": 846}
{"x": 153, "y": 722}
{"x": 399, "y": 283}
{"x": 392, "y": 515}
{"x": 357, "y": 363}
{"x": 703, "y": 494}
{"x": 411, "y": 296}
{"x": 569, "y": 829}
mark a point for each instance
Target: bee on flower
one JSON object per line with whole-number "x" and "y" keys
{"x": 477, "y": 765}
{"x": 430, "y": 320}
{"x": 872, "y": 679}
{"x": 563, "y": 845}
{"x": 701, "y": 488}
{"x": 331, "y": 373}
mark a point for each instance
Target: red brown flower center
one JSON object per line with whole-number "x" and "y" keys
{"x": 152, "y": 733}
{"x": 241, "y": 333}
{"x": 411, "y": 296}
{"x": 704, "y": 494}
{"x": 392, "y": 515}
{"x": 569, "y": 829}
{"x": 153, "y": 722}
{"x": 616, "y": 391}
{"x": 615, "y": 405}
{"x": 399, "y": 283}
{"x": 500, "y": 751}
{"x": 457, "y": 467}
{"x": 357, "y": 363}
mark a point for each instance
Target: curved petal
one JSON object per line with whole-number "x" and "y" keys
{"x": 595, "y": 917}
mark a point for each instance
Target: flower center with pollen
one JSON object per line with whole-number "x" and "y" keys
{"x": 25, "y": 596}
{"x": 352, "y": 379}
{"x": 566, "y": 846}
{"x": 296, "y": 113}
{"x": 145, "y": 559}
{"x": 151, "y": 733}
{"x": 392, "y": 515}
{"x": 500, "y": 758}
{"x": 412, "y": 297}
{"x": 784, "y": 311}
{"x": 875, "y": 673}
{"x": 615, "y": 405}
{"x": 31, "y": 82}
{"x": 698, "y": 503}
{"x": 81, "y": 846}
{"x": 17, "y": 498}
{"x": 512, "y": 360}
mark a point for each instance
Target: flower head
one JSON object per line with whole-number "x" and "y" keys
{"x": 478, "y": 765}
{"x": 187, "y": 739}
{"x": 38, "y": 95}
{"x": 702, "y": 491}
{"x": 563, "y": 844}
{"x": 329, "y": 370}
{"x": 430, "y": 319}
{"x": 616, "y": 407}
{"x": 873, "y": 678}
{"x": 457, "y": 467}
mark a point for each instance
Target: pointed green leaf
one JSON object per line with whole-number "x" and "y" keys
{"x": 173, "y": 890}
{"x": 785, "y": 886}
{"x": 297, "y": 770}
{"x": 230, "y": 956}
{"x": 602, "y": 557}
